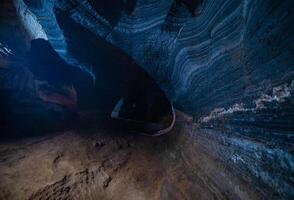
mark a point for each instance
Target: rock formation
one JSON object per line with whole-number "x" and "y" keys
{"x": 226, "y": 65}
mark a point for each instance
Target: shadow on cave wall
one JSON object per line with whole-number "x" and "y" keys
{"x": 41, "y": 92}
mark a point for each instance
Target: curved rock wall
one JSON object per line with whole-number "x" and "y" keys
{"x": 215, "y": 59}
{"x": 205, "y": 54}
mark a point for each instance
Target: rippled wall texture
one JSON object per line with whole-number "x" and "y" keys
{"x": 214, "y": 54}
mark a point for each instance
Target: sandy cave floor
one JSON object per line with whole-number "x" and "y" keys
{"x": 102, "y": 164}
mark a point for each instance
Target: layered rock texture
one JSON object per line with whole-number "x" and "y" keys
{"x": 227, "y": 64}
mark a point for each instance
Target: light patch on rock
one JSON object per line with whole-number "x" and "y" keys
{"x": 4, "y": 50}
{"x": 279, "y": 94}
{"x": 29, "y": 20}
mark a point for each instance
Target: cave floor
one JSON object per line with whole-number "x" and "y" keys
{"x": 103, "y": 164}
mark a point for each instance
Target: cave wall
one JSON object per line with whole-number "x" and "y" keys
{"x": 200, "y": 53}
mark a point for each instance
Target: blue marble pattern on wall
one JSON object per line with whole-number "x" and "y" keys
{"x": 226, "y": 51}
{"x": 230, "y": 48}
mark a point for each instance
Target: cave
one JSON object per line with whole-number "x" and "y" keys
{"x": 146, "y": 99}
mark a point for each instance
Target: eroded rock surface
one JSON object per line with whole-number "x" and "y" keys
{"x": 114, "y": 165}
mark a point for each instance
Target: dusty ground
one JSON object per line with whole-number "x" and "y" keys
{"x": 114, "y": 165}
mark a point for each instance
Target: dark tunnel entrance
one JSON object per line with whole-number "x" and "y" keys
{"x": 120, "y": 91}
